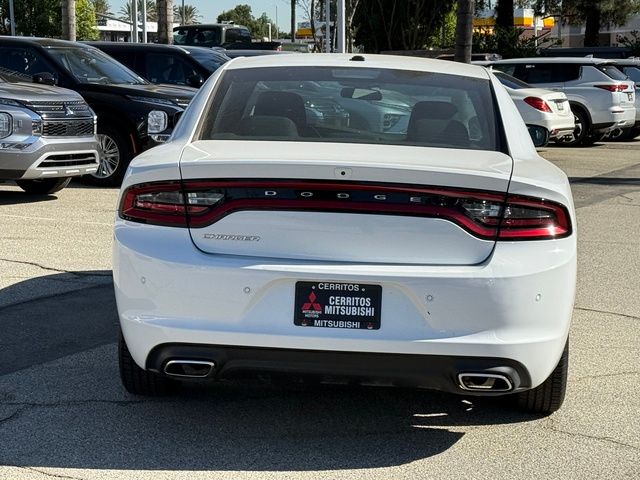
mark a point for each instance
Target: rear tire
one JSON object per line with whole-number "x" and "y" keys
{"x": 548, "y": 397}
{"x": 580, "y": 132}
{"x": 139, "y": 381}
{"x": 45, "y": 186}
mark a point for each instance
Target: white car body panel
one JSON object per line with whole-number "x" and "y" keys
{"x": 514, "y": 301}
{"x": 558, "y": 122}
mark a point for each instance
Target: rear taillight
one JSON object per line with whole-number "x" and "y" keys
{"x": 538, "y": 104}
{"x": 621, "y": 87}
{"x": 486, "y": 215}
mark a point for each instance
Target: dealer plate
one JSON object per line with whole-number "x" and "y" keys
{"x": 337, "y": 305}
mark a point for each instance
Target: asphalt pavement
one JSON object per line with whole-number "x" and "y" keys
{"x": 64, "y": 414}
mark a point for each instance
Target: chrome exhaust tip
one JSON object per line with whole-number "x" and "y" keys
{"x": 484, "y": 382}
{"x": 189, "y": 368}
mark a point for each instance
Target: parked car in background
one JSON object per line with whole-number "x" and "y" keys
{"x": 226, "y": 35}
{"x": 631, "y": 68}
{"x": 441, "y": 255}
{"x": 545, "y": 108}
{"x": 47, "y": 136}
{"x": 133, "y": 114}
{"x": 601, "y": 97}
{"x": 166, "y": 64}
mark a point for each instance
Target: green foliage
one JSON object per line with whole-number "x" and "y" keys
{"x": 126, "y": 11}
{"x": 444, "y": 35}
{"x": 40, "y": 18}
{"x": 615, "y": 12}
{"x": 510, "y": 43}
{"x": 101, "y": 6}
{"x": 188, "y": 16}
{"x": 242, "y": 15}
{"x": 392, "y": 25}
{"x": 632, "y": 41}
{"x": 86, "y": 21}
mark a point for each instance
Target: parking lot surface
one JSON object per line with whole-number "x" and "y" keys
{"x": 64, "y": 414}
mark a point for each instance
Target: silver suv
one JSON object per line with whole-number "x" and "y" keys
{"x": 47, "y": 136}
{"x": 601, "y": 97}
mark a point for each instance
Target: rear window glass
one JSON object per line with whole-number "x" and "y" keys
{"x": 612, "y": 72}
{"x": 353, "y": 105}
{"x": 511, "y": 82}
{"x": 633, "y": 73}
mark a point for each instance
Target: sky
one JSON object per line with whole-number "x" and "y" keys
{"x": 209, "y": 9}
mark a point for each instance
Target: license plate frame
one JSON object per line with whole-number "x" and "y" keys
{"x": 352, "y": 306}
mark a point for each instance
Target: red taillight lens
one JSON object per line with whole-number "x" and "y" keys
{"x": 486, "y": 215}
{"x": 613, "y": 88}
{"x": 164, "y": 204}
{"x": 538, "y": 104}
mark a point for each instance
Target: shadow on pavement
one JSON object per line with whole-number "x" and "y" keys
{"x": 15, "y": 197}
{"x": 73, "y": 412}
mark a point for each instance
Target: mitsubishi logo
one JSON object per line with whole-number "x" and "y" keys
{"x": 311, "y": 304}
{"x": 68, "y": 111}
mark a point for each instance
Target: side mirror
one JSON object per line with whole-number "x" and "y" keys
{"x": 539, "y": 135}
{"x": 195, "y": 81}
{"x": 44, "y": 78}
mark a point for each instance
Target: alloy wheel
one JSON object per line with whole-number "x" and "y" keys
{"x": 109, "y": 156}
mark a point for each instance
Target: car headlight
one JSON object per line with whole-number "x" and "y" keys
{"x": 8, "y": 101}
{"x": 154, "y": 100}
{"x": 157, "y": 121}
{"x": 6, "y": 125}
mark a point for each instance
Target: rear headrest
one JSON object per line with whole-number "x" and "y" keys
{"x": 433, "y": 110}
{"x": 267, "y": 126}
{"x": 282, "y": 104}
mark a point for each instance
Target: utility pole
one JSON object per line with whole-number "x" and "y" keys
{"x": 340, "y": 27}
{"x": 12, "y": 18}
{"x": 293, "y": 21}
{"x": 134, "y": 20}
{"x": 144, "y": 21}
{"x": 165, "y": 21}
{"x": 69, "y": 20}
{"x": 327, "y": 26}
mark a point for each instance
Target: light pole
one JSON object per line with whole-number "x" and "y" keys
{"x": 340, "y": 27}
{"x": 182, "y": 16}
{"x": 12, "y": 18}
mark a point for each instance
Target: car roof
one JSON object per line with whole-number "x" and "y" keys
{"x": 360, "y": 61}
{"x": 572, "y": 60}
{"x": 43, "y": 42}
{"x": 209, "y": 25}
{"x": 627, "y": 62}
{"x": 140, "y": 46}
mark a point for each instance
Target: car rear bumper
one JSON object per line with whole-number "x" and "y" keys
{"x": 438, "y": 372}
{"x": 515, "y": 306}
{"x": 50, "y": 157}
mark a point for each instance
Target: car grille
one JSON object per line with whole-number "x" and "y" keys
{"x": 70, "y": 128}
{"x": 69, "y": 160}
{"x": 51, "y": 109}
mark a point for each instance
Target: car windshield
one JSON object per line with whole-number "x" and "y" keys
{"x": 208, "y": 59}
{"x": 353, "y": 105}
{"x": 509, "y": 81}
{"x": 201, "y": 36}
{"x": 90, "y": 65}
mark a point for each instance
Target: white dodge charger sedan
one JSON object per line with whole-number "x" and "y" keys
{"x": 290, "y": 227}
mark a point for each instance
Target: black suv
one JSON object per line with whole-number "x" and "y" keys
{"x": 133, "y": 114}
{"x": 166, "y": 63}
{"x": 226, "y": 35}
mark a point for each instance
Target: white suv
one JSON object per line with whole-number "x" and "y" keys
{"x": 601, "y": 97}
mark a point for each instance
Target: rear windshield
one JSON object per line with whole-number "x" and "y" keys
{"x": 353, "y": 105}
{"x": 511, "y": 82}
{"x": 612, "y": 72}
{"x": 633, "y": 73}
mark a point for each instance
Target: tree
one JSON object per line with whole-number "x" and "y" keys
{"x": 101, "y": 7}
{"x": 390, "y": 25}
{"x": 504, "y": 22}
{"x": 86, "y": 21}
{"x": 293, "y": 20}
{"x": 165, "y": 21}
{"x": 593, "y": 13}
{"x": 69, "y": 20}
{"x": 242, "y": 15}
{"x": 464, "y": 31}
{"x": 126, "y": 11}
{"x": 188, "y": 16}
{"x": 42, "y": 18}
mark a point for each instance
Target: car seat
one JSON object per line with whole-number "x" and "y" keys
{"x": 432, "y": 122}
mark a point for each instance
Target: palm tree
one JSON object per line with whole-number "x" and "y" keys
{"x": 464, "y": 31}
{"x": 127, "y": 14}
{"x": 101, "y": 7}
{"x": 188, "y": 16}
